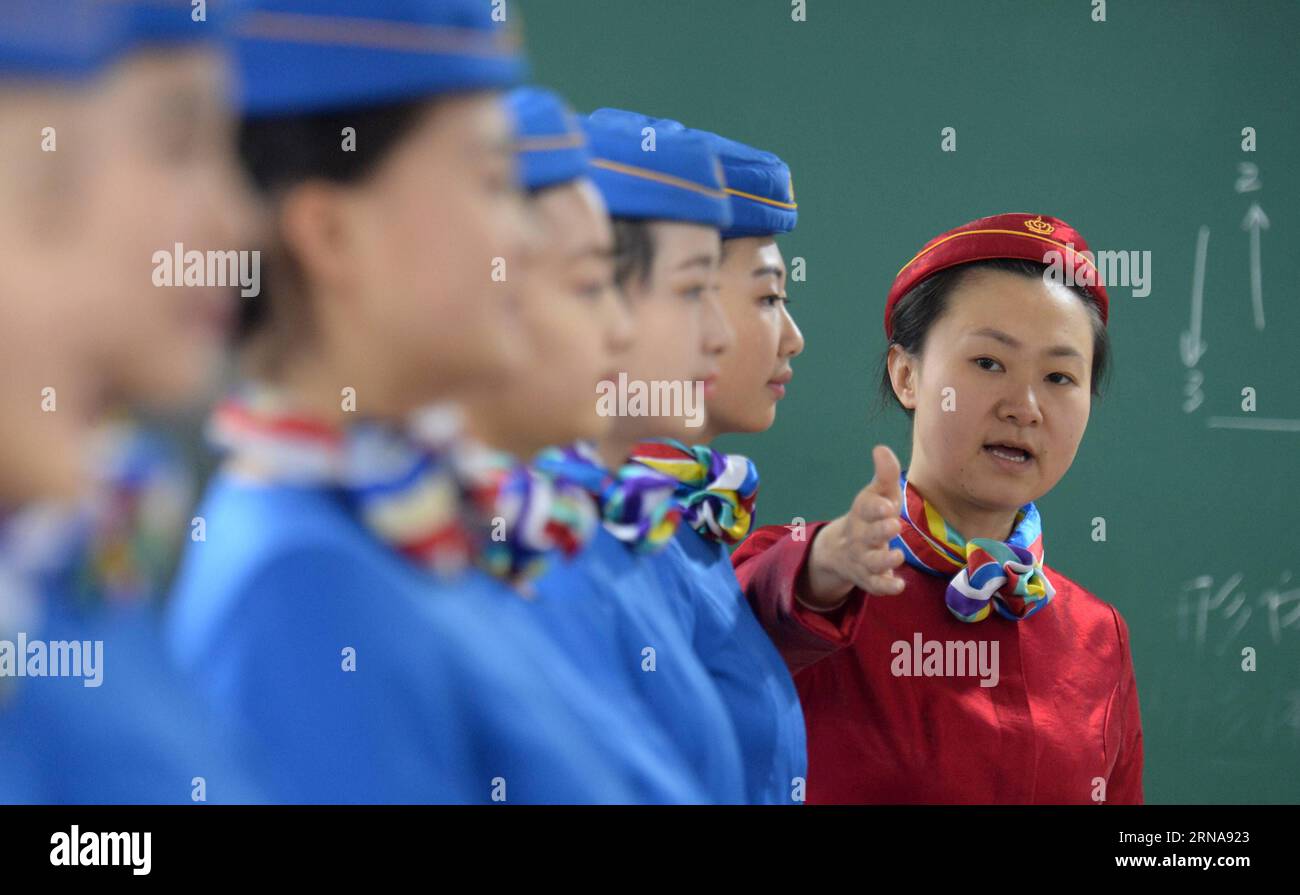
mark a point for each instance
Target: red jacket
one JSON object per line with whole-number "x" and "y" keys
{"x": 1063, "y": 711}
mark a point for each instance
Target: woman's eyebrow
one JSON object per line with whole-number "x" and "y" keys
{"x": 769, "y": 270}
{"x": 1062, "y": 351}
{"x": 601, "y": 251}
{"x": 1012, "y": 342}
{"x": 698, "y": 261}
{"x": 997, "y": 334}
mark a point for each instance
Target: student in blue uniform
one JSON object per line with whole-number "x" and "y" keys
{"x": 716, "y": 491}
{"x": 664, "y": 191}
{"x": 579, "y": 327}
{"x": 90, "y": 710}
{"x": 334, "y": 609}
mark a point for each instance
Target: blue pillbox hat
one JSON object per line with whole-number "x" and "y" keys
{"x": 167, "y": 22}
{"x": 304, "y": 56}
{"x": 57, "y": 40}
{"x": 551, "y": 144}
{"x": 759, "y": 188}
{"x": 655, "y": 168}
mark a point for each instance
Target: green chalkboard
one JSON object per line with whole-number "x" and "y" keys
{"x": 1131, "y": 129}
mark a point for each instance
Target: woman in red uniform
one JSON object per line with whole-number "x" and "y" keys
{"x": 957, "y": 667}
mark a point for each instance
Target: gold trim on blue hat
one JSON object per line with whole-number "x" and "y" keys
{"x": 378, "y": 34}
{"x": 667, "y": 179}
{"x": 793, "y": 206}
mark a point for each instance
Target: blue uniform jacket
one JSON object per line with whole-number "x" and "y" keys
{"x": 749, "y": 673}
{"x": 457, "y": 694}
{"x": 611, "y": 607}
{"x": 142, "y": 736}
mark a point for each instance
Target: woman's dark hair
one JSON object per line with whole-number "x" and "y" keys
{"x": 634, "y": 250}
{"x": 918, "y": 311}
{"x": 279, "y": 153}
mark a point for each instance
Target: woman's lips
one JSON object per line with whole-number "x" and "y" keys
{"x": 1009, "y": 459}
{"x": 778, "y": 383}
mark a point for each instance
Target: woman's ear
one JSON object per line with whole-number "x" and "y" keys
{"x": 904, "y": 371}
{"x": 315, "y": 225}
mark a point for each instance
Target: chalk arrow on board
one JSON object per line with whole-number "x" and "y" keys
{"x": 1189, "y": 341}
{"x": 1255, "y": 221}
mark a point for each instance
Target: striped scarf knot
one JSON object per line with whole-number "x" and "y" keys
{"x": 635, "y": 502}
{"x": 985, "y": 573}
{"x": 716, "y": 491}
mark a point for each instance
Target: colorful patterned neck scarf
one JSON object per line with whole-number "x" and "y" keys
{"x": 1007, "y": 576}
{"x": 716, "y": 491}
{"x": 636, "y": 503}
{"x": 434, "y": 496}
{"x": 119, "y": 540}
{"x": 526, "y": 517}
{"x": 136, "y": 515}
{"x": 523, "y": 517}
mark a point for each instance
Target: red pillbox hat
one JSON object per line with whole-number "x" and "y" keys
{"x": 1027, "y": 237}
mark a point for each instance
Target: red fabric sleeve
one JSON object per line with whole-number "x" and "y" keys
{"x": 768, "y": 565}
{"x": 1125, "y": 784}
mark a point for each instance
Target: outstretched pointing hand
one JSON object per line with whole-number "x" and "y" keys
{"x": 853, "y": 551}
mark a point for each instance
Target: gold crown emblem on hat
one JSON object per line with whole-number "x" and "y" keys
{"x": 1038, "y": 225}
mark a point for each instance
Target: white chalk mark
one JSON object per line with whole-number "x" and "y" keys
{"x": 1255, "y": 221}
{"x": 1237, "y": 422}
{"x": 1248, "y": 182}
{"x": 1192, "y": 388}
{"x": 1189, "y": 341}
